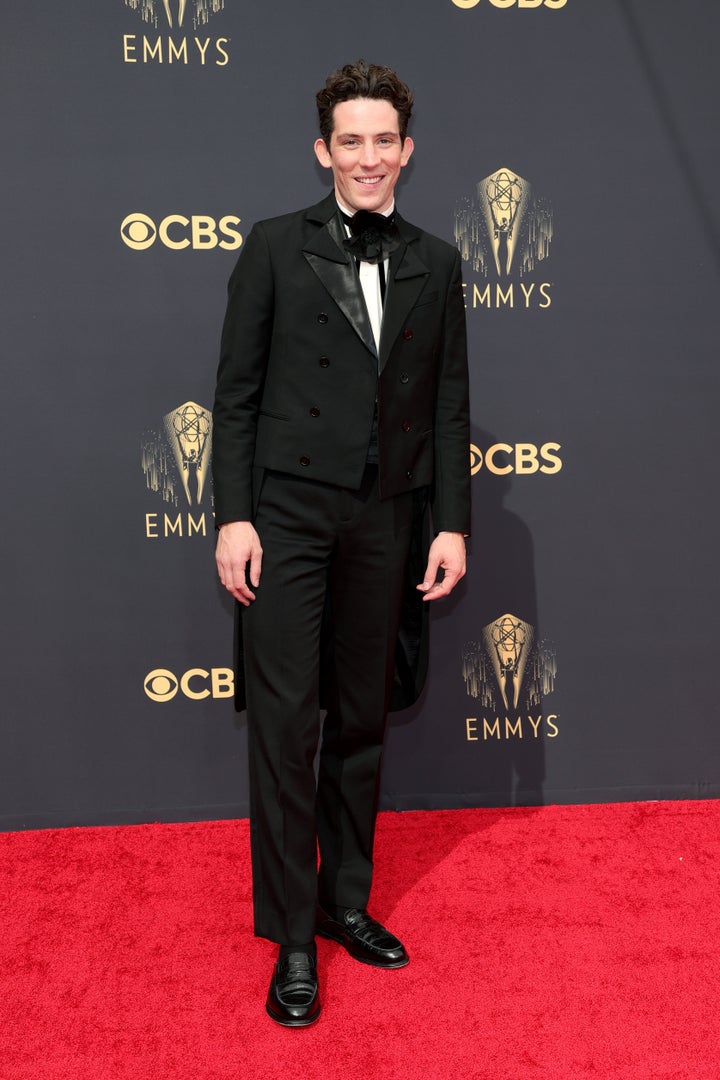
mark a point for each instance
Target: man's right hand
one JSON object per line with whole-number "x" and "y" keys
{"x": 238, "y": 544}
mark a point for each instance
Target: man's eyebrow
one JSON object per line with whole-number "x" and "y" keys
{"x": 376, "y": 135}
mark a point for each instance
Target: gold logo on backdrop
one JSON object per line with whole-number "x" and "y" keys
{"x": 138, "y": 231}
{"x": 551, "y": 4}
{"x": 505, "y": 226}
{"x": 188, "y": 429}
{"x": 508, "y": 642}
{"x": 184, "y": 41}
{"x": 197, "y": 684}
{"x": 175, "y": 11}
{"x": 510, "y": 671}
{"x": 200, "y": 232}
{"x": 176, "y": 463}
{"x": 509, "y": 664}
{"x": 504, "y": 232}
{"x": 521, "y": 458}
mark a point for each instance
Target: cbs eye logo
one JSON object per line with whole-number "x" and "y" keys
{"x": 199, "y": 232}
{"x": 501, "y": 458}
{"x": 161, "y": 685}
{"x": 196, "y": 684}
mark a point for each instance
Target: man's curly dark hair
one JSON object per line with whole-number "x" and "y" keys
{"x": 362, "y": 80}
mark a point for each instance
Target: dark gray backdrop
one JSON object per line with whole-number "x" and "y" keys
{"x": 598, "y": 577}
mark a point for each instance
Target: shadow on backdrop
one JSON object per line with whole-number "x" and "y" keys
{"x": 663, "y": 98}
{"x": 503, "y": 666}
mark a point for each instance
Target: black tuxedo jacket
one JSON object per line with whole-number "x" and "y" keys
{"x": 299, "y": 376}
{"x": 299, "y": 372}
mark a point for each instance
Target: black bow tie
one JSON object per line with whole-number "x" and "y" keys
{"x": 374, "y": 236}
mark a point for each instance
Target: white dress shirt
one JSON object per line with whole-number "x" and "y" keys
{"x": 370, "y": 282}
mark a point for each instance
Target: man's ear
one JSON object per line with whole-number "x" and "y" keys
{"x": 322, "y": 153}
{"x": 407, "y": 149}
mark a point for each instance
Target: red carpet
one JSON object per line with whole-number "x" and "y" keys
{"x": 558, "y": 943}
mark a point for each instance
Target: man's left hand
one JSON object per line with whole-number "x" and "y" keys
{"x": 447, "y": 553}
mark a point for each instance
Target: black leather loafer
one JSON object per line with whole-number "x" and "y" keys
{"x": 364, "y": 938}
{"x": 293, "y": 999}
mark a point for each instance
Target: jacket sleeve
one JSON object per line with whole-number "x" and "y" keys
{"x": 244, "y": 350}
{"x": 450, "y": 495}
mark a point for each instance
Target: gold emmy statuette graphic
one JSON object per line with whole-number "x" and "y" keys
{"x": 508, "y": 226}
{"x": 503, "y": 196}
{"x": 508, "y": 641}
{"x": 189, "y": 432}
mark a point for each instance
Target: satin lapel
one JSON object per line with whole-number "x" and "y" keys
{"x": 406, "y": 279}
{"x": 337, "y": 271}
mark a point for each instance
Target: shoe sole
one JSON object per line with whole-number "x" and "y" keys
{"x": 293, "y": 1023}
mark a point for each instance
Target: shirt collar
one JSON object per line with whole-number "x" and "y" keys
{"x": 350, "y": 213}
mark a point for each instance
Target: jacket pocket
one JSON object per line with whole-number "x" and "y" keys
{"x": 273, "y": 415}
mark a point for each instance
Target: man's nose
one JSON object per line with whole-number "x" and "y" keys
{"x": 369, "y": 155}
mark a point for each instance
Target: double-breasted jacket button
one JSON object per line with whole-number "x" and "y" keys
{"x": 406, "y": 425}
{"x": 404, "y": 377}
{"x": 304, "y": 460}
{"x": 322, "y": 318}
{"x": 408, "y": 334}
{"x": 409, "y": 474}
{"x": 324, "y": 361}
{"x": 314, "y": 411}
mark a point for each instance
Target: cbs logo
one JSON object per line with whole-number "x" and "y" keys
{"x": 501, "y": 458}
{"x": 196, "y": 683}
{"x": 511, "y": 3}
{"x": 175, "y": 231}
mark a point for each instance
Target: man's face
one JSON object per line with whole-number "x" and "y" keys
{"x": 365, "y": 153}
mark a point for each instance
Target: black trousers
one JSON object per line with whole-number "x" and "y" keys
{"x": 347, "y": 550}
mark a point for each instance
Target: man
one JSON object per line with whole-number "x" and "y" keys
{"x": 341, "y": 411}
